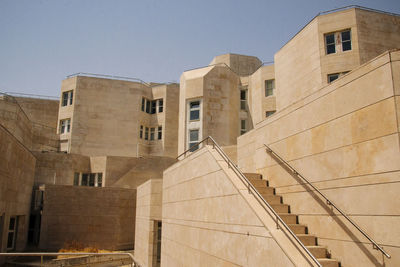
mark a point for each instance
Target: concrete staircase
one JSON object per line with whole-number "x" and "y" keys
{"x": 283, "y": 210}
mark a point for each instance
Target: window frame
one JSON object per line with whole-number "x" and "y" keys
{"x": 67, "y": 98}
{"x": 194, "y": 109}
{"x": 160, "y": 105}
{"x": 330, "y": 44}
{"x": 159, "y": 132}
{"x": 141, "y": 132}
{"x": 347, "y": 41}
{"x": 13, "y": 233}
{"x": 152, "y": 133}
{"x": 146, "y": 133}
{"x": 243, "y": 99}
{"x": 65, "y": 126}
{"x": 192, "y": 143}
{"x": 243, "y": 126}
{"x": 269, "y": 90}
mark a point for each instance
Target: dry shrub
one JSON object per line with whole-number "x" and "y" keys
{"x": 75, "y": 246}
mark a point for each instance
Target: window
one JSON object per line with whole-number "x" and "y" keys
{"x": 67, "y": 98}
{"x": 332, "y": 77}
{"x": 243, "y": 99}
{"x": 147, "y": 106}
{"x": 146, "y": 134}
{"x": 141, "y": 132}
{"x": 76, "y": 178}
{"x": 330, "y": 43}
{"x": 269, "y": 87}
{"x": 92, "y": 179}
{"x": 159, "y": 132}
{"x": 269, "y": 113}
{"x": 100, "y": 179}
{"x": 193, "y": 139}
{"x": 194, "y": 110}
{"x": 65, "y": 126}
{"x": 143, "y": 103}
{"x": 85, "y": 180}
{"x": 338, "y": 40}
{"x": 152, "y": 130}
{"x": 157, "y": 241}
{"x": 160, "y": 105}
{"x": 346, "y": 40}
{"x": 243, "y": 128}
{"x": 12, "y": 233}
{"x": 153, "y": 107}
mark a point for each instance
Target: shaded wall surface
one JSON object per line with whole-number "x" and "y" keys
{"x": 17, "y": 166}
{"x": 92, "y": 216}
{"x": 148, "y": 213}
{"x": 210, "y": 219}
{"x": 345, "y": 139}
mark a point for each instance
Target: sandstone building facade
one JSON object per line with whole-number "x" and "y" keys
{"x": 328, "y": 105}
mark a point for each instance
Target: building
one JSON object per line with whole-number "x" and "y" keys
{"x": 328, "y": 106}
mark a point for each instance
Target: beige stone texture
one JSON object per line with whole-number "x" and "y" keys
{"x": 92, "y": 216}
{"x": 17, "y": 167}
{"x": 210, "y": 219}
{"x": 41, "y": 111}
{"x": 344, "y": 138}
{"x": 100, "y": 126}
{"x": 148, "y": 212}
{"x": 242, "y": 65}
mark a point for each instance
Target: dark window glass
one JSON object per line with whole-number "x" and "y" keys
{"x": 194, "y": 115}
{"x": 153, "y": 107}
{"x": 147, "y": 106}
{"x": 193, "y": 140}
{"x": 71, "y": 96}
{"x": 10, "y": 240}
{"x": 100, "y": 179}
{"x": 11, "y": 226}
{"x": 269, "y": 87}
{"x": 76, "y": 178}
{"x": 65, "y": 99}
{"x": 269, "y": 113}
{"x": 143, "y": 103}
{"x": 242, "y": 99}
{"x": 146, "y": 134}
{"x": 152, "y": 130}
{"x": 346, "y": 40}
{"x": 160, "y": 105}
{"x": 159, "y": 132}
{"x": 141, "y": 132}
{"x": 330, "y": 43}
{"x": 85, "y": 179}
{"x": 332, "y": 77}
{"x": 195, "y": 104}
{"x": 92, "y": 177}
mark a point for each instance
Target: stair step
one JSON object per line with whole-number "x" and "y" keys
{"x": 288, "y": 218}
{"x": 307, "y": 240}
{"x": 329, "y": 262}
{"x": 280, "y": 208}
{"x": 265, "y": 190}
{"x": 258, "y": 182}
{"x": 253, "y": 175}
{"x": 318, "y": 251}
{"x": 298, "y": 229}
{"x": 272, "y": 199}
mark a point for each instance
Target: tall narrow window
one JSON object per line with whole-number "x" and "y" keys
{"x": 141, "y": 132}
{"x": 99, "y": 179}
{"x": 76, "y": 178}
{"x": 85, "y": 179}
{"x": 147, "y": 106}
{"x": 12, "y": 232}
{"x": 146, "y": 134}
{"x": 330, "y": 43}
{"x": 153, "y": 107}
{"x": 346, "y": 40}
{"x": 194, "y": 110}
{"x": 157, "y": 241}
{"x": 160, "y": 105}
{"x": 243, "y": 128}
{"x": 67, "y": 98}
{"x": 193, "y": 139}
{"x": 143, "y": 103}
{"x": 152, "y": 130}
{"x": 92, "y": 179}
{"x": 269, "y": 87}
{"x": 65, "y": 126}
{"x": 159, "y": 132}
{"x": 243, "y": 99}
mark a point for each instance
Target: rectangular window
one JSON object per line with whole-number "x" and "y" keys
{"x": 67, "y": 98}
{"x": 92, "y": 179}
{"x": 12, "y": 233}
{"x": 152, "y": 130}
{"x": 157, "y": 241}
{"x": 160, "y": 105}
{"x": 243, "y": 128}
{"x": 346, "y": 40}
{"x": 143, "y": 104}
{"x": 159, "y": 132}
{"x": 193, "y": 139}
{"x": 85, "y": 179}
{"x": 76, "y": 178}
{"x": 330, "y": 43}
{"x": 153, "y": 107}
{"x": 146, "y": 134}
{"x": 65, "y": 126}
{"x": 194, "y": 110}
{"x": 269, "y": 87}
{"x": 147, "y": 106}
{"x": 243, "y": 99}
{"x": 99, "y": 179}
{"x": 269, "y": 113}
{"x": 141, "y": 132}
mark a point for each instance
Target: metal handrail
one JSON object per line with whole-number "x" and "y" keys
{"x": 45, "y": 254}
{"x": 105, "y": 76}
{"x": 253, "y": 190}
{"x": 329, "y": 202}
{"x": 16, "y": 94}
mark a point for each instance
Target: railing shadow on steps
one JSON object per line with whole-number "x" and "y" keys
{"x": 328, "y": 203}
{"x": 280, "y": 224}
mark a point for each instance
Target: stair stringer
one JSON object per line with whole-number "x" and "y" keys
{"x": 289, "y": 246}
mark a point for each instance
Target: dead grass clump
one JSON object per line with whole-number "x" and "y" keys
{"x": 77, "y": 247}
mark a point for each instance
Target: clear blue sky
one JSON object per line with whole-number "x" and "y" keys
{"x": 43, "y": 41}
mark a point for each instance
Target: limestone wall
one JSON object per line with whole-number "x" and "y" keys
{"x": 345, "y": 139}
{"x": 92, "y": 216}
{"x": 17, "y": 167}
{"x": 210, "y": 219}
{"x": 148, "y": 212}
